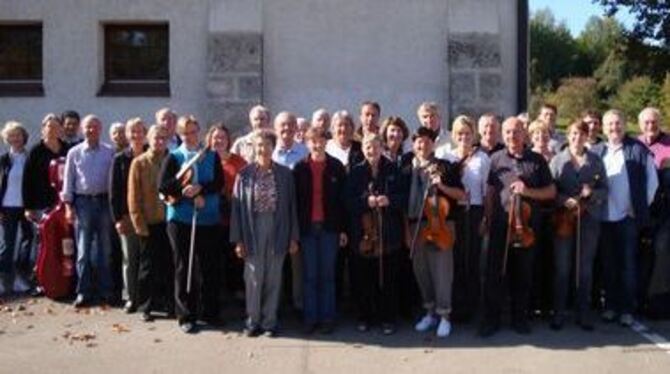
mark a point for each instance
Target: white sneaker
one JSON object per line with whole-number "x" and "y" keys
{"x": 444, "y": 329}
{"x": 426, "y": 323}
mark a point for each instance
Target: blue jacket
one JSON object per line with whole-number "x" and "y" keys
{"x": 635, "y": 156}
{"x": 209, "y": 176}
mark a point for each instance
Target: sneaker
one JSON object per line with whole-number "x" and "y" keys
{"x": 270, "y": 333}
{"x": 147, "y": 317}
{"x": 608, "y": 315}
{"x": 129, "y": 307}
{"x": 426, "y": 323}
{"x": 187, "y": 327}
{"x": 444, "y": 329}
{"x": 626, "y": 320}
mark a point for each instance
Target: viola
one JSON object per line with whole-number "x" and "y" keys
{"x": 565, "y": 219}
{"x": 371, "y": 222}
{"x": 436, "y": 210}
{"x": 522, "y": 234}
{"x": 185, "y": 174}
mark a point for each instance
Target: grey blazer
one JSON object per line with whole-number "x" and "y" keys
{"x": 242, "y": 211}
{"x": 569, "y": 180}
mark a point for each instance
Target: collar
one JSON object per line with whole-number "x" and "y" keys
{"x": 88, "y": 147}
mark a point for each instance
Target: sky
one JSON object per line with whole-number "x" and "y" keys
{"x": 575, "y": 13}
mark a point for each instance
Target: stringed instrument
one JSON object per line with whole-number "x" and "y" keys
{"x": 521, "y": 234}
{"x": 565, "y": 219}
{"x": 370, "y": 244}
{"x": 436, "y": 210}
{"x": 185, "y": 175}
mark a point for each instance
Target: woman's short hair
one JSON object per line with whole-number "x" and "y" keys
{"x": 184, "y": 121}
{"x": 265, "y": 135}
{"x": 394, "y": 121}
{"x": 11, "y": 126}
{"x": 52, "y": 117}
{"x": 460, "y": 123}
{"x": 371, "y": 137}
{"x": 314, "y": 133}
{"x": 343, "y": 115}
{"x": 537, "y": 125}
{"x": 217, "y": 126}
{"x": 578, "y": 125}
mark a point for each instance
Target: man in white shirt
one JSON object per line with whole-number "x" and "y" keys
{"x": 259, "y": 118}
{"x": 429, "y": 117}
{"x": 632, "y": 183}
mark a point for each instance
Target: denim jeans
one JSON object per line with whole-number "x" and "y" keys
{"x": 319, "y": 252}
{"x": 93, "y": 225}
{"x": 619, "y": 246}
{"x": 12, "y": 220}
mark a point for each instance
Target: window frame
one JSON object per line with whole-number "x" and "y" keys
{"x": 132, "y": 87}
{"x": 25, "y": 87}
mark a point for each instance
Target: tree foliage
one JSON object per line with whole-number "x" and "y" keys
{"x": 636, "y": 94}
{"x": 652, "y": 17}
{"x": 574, "y": 95}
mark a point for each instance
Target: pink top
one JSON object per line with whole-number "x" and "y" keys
{"x": 660, "y": 147}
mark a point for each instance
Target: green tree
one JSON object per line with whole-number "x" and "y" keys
{"x": 665, "y": 99}
{"x": 599, "y": 38}
{"x": 553, "y": 52}
{"x": 573, "y": 96}
{"x": 636, "y": 94}
{"x": 612, "y": 73}
{"x": 652, "y": 17}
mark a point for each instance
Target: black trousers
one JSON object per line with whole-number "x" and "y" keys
{"x": 206, "y": 271}
{"x": 156, "y": 271}
{"x": 467, "y": 257}
{"x": 517, "y": 279}
{"x": 233, "y": 265}
{"x": 377, "y": 303}
{"x": 541, "y": 298}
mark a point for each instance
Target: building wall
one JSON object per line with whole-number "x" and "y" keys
{"x": 73, "y": 58}
{"x": 226, "y": 55}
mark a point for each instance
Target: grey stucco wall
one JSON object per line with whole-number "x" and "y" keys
{"x": 226, "y": 55}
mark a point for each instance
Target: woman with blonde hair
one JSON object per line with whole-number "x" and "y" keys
{"x": 12, "y": 164}
{"x": 474, "y": 165}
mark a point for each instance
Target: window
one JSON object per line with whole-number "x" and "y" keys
{"x": 21, "y": 59}
{"x": 136, "y": 60}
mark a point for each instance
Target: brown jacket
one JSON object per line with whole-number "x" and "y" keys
{"x": 144, "y": 205}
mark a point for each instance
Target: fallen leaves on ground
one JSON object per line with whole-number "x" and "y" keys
{"x": 120, "y": 328}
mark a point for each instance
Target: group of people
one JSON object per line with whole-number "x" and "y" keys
{"x": 459, "y": 222}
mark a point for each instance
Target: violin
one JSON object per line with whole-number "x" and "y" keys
{"x": 370, "y": 244}
{"x": 436, "y": 210}
{"x": 185, "y": 175}
{"x": 521, "y": 235}
{"x": 565, "y": 219}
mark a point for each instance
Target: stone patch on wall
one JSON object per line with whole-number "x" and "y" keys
{"x": 234, "y": 77}
{"x": 475, "y": 73}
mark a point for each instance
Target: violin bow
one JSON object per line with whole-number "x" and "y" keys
{"x": 508, "y": 238}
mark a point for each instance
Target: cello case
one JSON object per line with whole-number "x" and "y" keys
{"x": 56, "y": 258}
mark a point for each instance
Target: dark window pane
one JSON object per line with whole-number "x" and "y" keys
{"x": 136, "y": 53}
{"x": 21, "y": 52}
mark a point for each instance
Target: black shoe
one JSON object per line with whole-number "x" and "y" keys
{"x": 309, "y": 328}
{"x": 488, "y": 329}
{"x": 129, "y": 307}
{"x": 556, "y": 323}
{"x": 251, "y": 332}
{"x": 37, "y": 291}
{"x": 214, "y": 321}
{"x": 270, "y": 333}
{"x": 327, "y": 328}
{"x": 362, "y": 326}
{"x": 147, "y": 317}
{"x": 586, "y": 321}
{"x": 521, "y": 326}
{"x": 80, "y": 302}
{"x": 187, "y": 327}
{"x": 388, "y": 329}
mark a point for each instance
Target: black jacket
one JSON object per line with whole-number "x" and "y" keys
{"x": 5, "y": 167}
{"x": 118, "y": 183}
{"x": 388, "y": 182}
{"x": 334, "y": 177}
{"x": 37, "y": 190}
